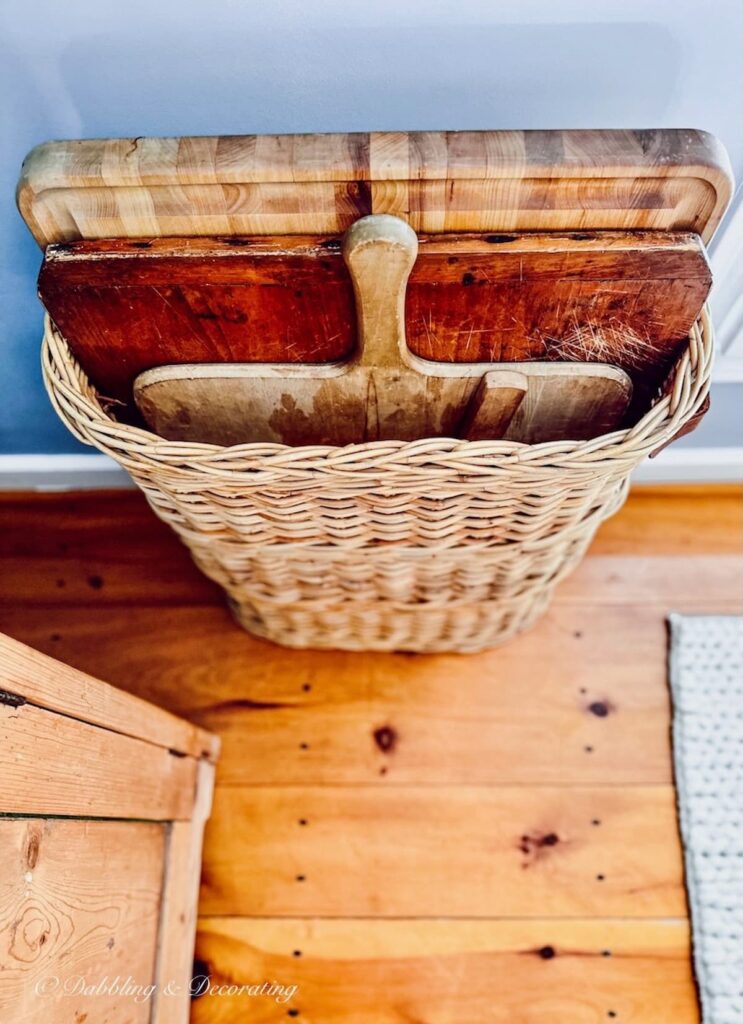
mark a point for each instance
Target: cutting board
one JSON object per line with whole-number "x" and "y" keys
{"x": 622, "y": 298}
{"x": 383, "y": 392}
{"x": 667, "y": 180}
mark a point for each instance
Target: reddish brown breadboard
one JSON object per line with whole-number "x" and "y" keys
{"x": 614, "y": 297}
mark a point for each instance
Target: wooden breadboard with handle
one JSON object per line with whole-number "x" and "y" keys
{"x": 384, "y": 392}
{"x": 624, "y": 298}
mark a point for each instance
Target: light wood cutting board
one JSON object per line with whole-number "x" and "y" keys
{"x": 384, "y": 392}
{"x": 668, "y": 180}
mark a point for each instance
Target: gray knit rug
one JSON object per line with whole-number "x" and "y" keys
{"x": 706, "y": 671}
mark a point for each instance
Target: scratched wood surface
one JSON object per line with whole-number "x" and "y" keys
{"x": 79, "y": 903}
{"x": 513, "y": 753}
{"x": 127, "y": 306}
{"x": 670, "y": 179}
{"x": 383, "y": 392}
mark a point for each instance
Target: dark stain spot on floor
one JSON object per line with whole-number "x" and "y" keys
{"x": 546, "y": 952}
{"x": 468, "y": 279}
{"x": 533, "y": 843}
{"x": 600, "y": 708}
{"x": 385, "y": 738}
{"x": 95, "y": 582}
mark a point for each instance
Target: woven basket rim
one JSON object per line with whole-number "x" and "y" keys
{"x": 78, "y": 405}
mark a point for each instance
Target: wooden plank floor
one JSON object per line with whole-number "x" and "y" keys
{"x": 429, "y": 839}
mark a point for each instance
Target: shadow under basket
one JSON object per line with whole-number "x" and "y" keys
{"x": 431, "y": 545}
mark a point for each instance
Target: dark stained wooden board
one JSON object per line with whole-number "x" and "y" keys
{"x": 623, "y": 298}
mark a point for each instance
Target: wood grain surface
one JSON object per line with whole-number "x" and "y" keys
{"x": 79, "y": 903}
{"x": 42, "y": 681}
{"x": 114, "y": 776}
{"x": 73, "y": 747}
{"x": 443, "y": 851}
{"x": 669, "y": 179}
{"x": 627, "y": 299}
{"x": 383, "y": 392}
{"x": 179, "y": 905}
{"x": 513, "y": 725}
{"x": 448, "y": 972}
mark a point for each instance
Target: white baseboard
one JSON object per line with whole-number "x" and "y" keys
{"x": 693, "y": 465}
{"x": 81, "y": 472}
{"x": 60, "y": 473}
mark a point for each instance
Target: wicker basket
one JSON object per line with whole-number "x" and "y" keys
{"x": 432, "y": 545}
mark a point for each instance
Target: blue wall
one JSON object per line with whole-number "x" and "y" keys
{"x": 171, "y": 67}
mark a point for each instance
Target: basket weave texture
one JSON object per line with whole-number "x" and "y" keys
{"x": 431, "y": 545}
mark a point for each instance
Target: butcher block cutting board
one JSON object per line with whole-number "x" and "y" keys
{"x": 492, "y": 181}
{"x": 383, "y": 392}
{"x": 622, "y": 298}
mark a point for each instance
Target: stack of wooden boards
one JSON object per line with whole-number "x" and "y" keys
{"x": 216, "y": 280}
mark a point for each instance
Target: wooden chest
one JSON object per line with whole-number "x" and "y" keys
{"x": 103, "y": 800}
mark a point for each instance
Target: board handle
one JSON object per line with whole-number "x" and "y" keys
{"x": 380, "y": 251}
{"x": 493, "y": 405}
